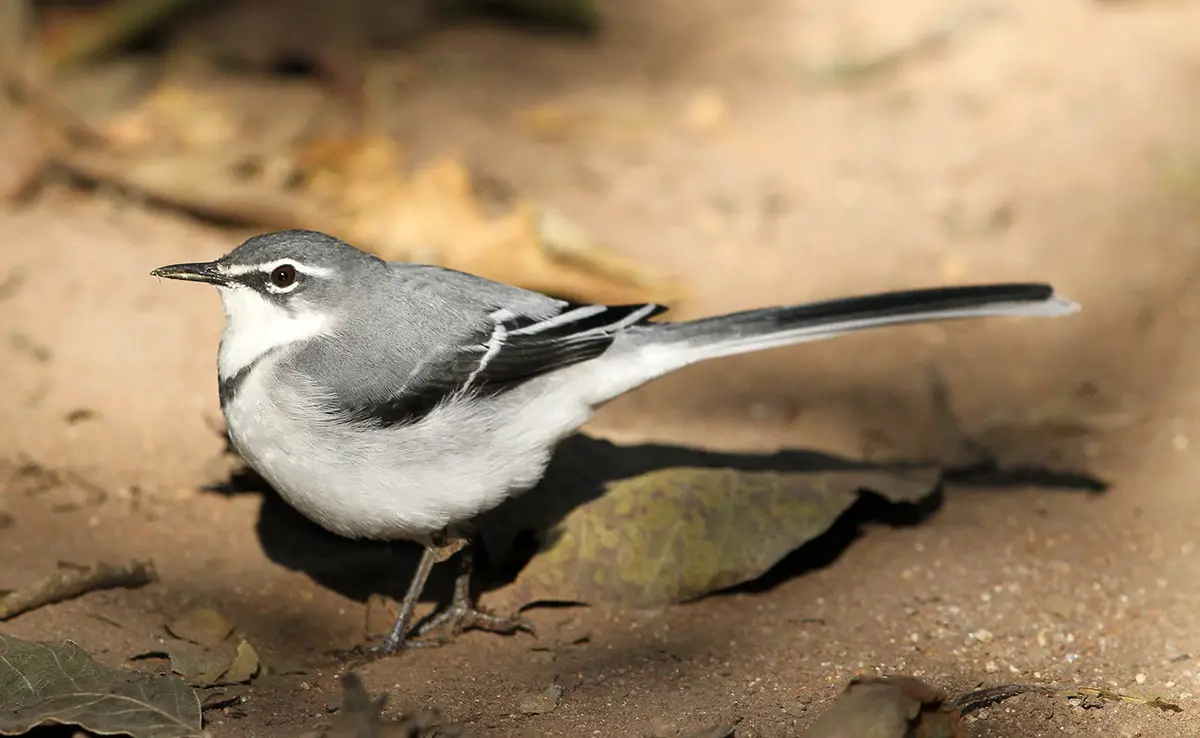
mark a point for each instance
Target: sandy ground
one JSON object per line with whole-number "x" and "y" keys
{"x": 1047, "y": 141}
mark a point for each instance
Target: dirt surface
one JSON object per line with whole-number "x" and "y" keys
{"x": 1047, "y": 141}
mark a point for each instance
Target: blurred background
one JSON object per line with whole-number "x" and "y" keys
{"x": 707, "y": 154}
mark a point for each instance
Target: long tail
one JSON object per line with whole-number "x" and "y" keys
{"x": 755, "y": 330}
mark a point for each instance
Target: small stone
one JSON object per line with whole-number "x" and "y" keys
{"x": 991, "y": 667}
{"x": 799, "y": 708}
{"x": 1140, "y": 678}
{"x": 982, "y": 635}
{"x": 539, "y": 703}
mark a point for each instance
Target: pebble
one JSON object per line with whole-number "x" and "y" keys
{"x": 982, "y": 635}
{"x": 799, "y": 708}
{"x": 539, "y": 703}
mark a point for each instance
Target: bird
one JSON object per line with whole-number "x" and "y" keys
{"x": 398, "y": 401}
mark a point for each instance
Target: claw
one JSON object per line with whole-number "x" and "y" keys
{"x": 461, "y": 616}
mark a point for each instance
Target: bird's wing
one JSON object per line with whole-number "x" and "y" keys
{"x": 502, "y": 352}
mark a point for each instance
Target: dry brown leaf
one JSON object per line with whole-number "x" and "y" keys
{"x": 201, "y": 626}
{"x": 434, "y": 216}
{"x": 212, "y": 150}
{"x": 245, "y": 664}
{"x": 201, "y": 666}
{"x": 206, "y": 654}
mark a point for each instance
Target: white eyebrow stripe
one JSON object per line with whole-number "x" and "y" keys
{"x": 242, "y": 269}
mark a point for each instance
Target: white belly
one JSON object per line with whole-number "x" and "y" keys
{"x": 398, "y": 483}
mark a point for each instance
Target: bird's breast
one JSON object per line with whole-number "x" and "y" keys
{"x": 364, "y": 481}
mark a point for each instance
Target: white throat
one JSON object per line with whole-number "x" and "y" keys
{"x": 254, "y": 326}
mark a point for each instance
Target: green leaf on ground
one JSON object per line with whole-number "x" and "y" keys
{"x": 45, "y": 683}
{"x": 676, "y": 534}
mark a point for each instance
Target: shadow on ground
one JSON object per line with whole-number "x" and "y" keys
{"x": 579, "y": 472}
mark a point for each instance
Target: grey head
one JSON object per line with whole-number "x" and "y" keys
{"x": 287, "y": 268}
{"x": 282, "y": 288}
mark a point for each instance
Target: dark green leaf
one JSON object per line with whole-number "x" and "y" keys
{"x": 45, "y": 683}
{"x": 677, "y": 534}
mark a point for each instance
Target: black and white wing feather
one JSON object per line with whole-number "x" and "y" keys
{"x": 502, "y": 353}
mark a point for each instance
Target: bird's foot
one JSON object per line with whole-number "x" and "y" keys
{"x": 393, "y": 646}
{"x": 461, "y": 615}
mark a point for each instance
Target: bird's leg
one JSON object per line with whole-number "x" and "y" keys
{"x": 436, "y": 551}
{"x": 463, "y": 615}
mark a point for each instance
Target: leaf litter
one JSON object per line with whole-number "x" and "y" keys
{"x": 206, "y": 651}
{"x": 46, "y": 683}
{"x": 677, "y": 534}
{"x": 222, "y": 146}
{"x": 201, "y": 626}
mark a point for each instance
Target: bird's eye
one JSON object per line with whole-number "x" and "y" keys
{"x": 283, "y": 275}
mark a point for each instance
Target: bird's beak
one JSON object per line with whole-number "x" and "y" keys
{"x": 200, "y": 272}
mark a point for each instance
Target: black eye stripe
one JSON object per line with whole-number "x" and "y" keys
{"x": 256, "y": 281}
{"x": 263, "y": 278}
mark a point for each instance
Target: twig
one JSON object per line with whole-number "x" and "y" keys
{"x": 72, "y": 581}
{"x": 989, "y": 696}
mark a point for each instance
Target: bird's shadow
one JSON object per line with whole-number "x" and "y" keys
{"x": 579, "y": 472}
